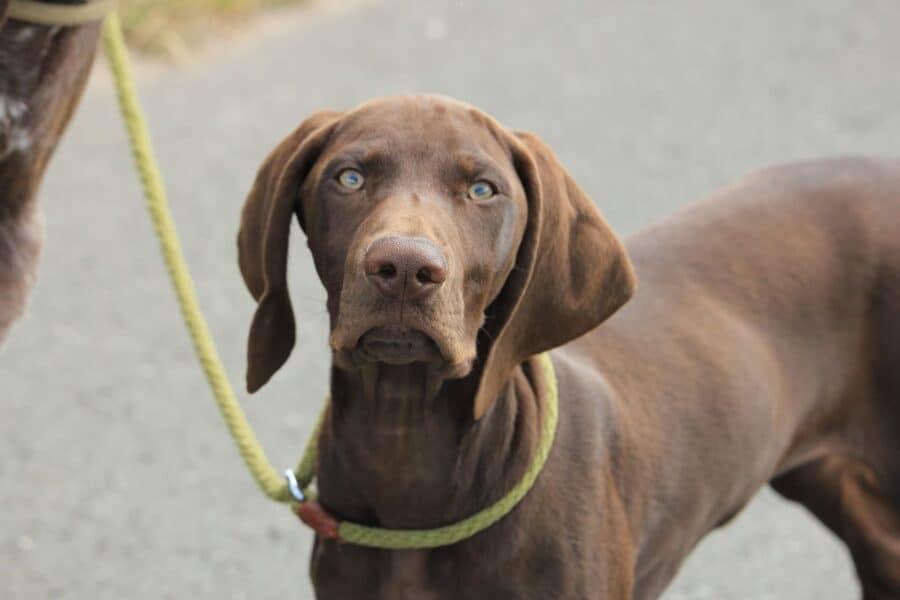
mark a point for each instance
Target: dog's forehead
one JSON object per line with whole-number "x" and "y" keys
{"x": 437, "y": 121}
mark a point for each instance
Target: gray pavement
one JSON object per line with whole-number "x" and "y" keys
{"x": 116, "y": 477}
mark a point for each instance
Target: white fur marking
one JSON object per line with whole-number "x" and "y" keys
{"x": 18, "y": 138}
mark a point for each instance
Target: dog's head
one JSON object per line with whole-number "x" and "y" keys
{"x": 440, "y": 236}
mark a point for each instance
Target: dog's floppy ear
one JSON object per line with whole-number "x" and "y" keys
{"x": 571, "y": 270}
{"x": 263, "y": 244}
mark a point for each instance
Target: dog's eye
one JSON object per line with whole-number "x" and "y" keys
{"x": 481, "y": 190}
{"x": 351, "y": 179}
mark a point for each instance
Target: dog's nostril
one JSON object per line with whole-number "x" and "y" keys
{"x": 431, "y": 273}
{"x": 424, "y": 276}
{"x": 387, "y": 271}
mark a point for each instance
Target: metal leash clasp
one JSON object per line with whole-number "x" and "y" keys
{"x": 294, "y": 485}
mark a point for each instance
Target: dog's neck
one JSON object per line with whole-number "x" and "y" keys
{"x": 396, "y": 454}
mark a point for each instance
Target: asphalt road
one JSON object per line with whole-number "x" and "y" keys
{"x": 116, "y": 477}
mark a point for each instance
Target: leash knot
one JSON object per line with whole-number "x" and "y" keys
{"x": 318, "y": 519}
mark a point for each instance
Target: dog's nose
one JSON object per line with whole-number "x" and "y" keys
{"x": 405, "y": 267}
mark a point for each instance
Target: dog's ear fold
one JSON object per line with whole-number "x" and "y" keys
{"x": 571, "y": 270}
{"x": 263, "y": 244}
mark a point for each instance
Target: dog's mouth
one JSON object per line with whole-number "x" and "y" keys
{"x": 397, "y": 345}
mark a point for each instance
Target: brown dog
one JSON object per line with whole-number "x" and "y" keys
{"x": 763, "y": 343}
{"x": 43, "y": 71}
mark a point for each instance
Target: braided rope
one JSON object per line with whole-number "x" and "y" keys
{"x": 267, "y": 478}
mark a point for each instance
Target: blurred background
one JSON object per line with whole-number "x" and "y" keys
{"x": 118, "y": 479}
{"x": 173, "y": 30}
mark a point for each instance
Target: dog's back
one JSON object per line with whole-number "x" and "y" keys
{"x": 764, "y": 341}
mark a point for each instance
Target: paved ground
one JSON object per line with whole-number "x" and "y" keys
{"x": 117, "y": 478}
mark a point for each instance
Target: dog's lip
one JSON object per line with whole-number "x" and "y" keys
{"x": 397, "y": 344}
{"x": 449, "y": 357}
{"x": 344, "y": 340}
{"x": 346, "y": 345}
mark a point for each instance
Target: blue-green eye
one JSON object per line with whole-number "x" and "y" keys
{"x": 351, "y": 179}
{"x": 481, "y": 190}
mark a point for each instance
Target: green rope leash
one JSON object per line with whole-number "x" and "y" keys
{"x": 42, "y": 13}
{"x": 267, "y": 478}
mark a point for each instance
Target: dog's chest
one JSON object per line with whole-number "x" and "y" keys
{"x": 341, "y": 571}
{"x": 407, "y": 577}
